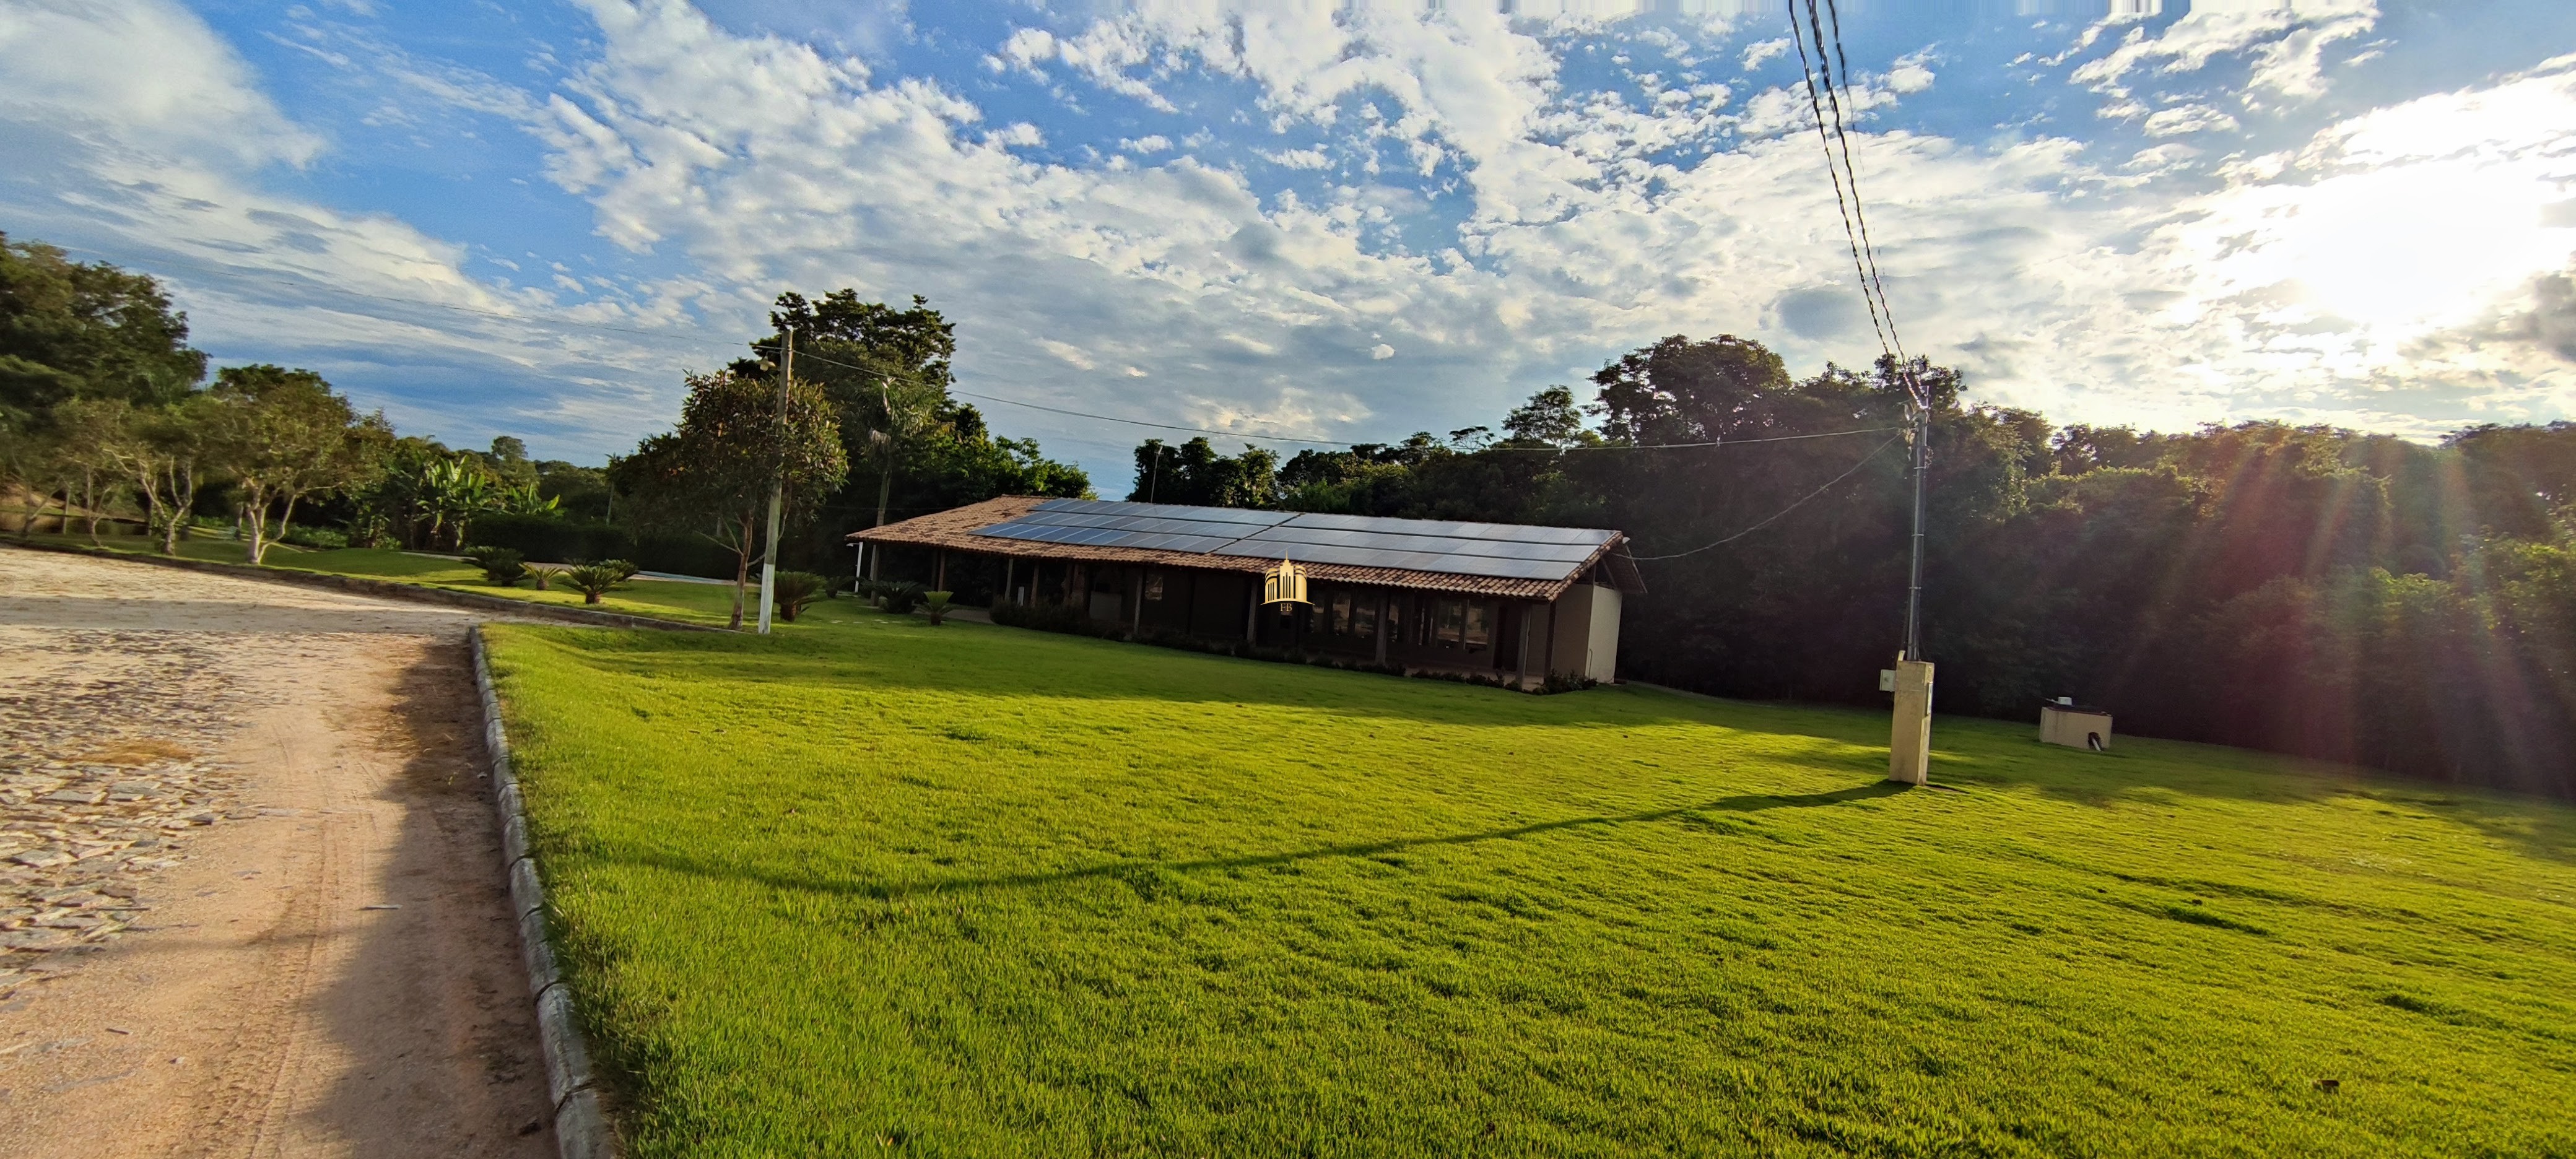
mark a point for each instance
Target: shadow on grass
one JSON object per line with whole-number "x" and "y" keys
{"x": 1747, "y": 803}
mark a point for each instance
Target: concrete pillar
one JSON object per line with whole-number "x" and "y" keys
{"x": 1909, "y": 746}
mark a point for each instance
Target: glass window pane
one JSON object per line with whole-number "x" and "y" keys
{"x": 1364, "y": 618}
{"x": 1153, "y": 585}
{"x": 1341, "y": 613}
{"x": 1477, "y": 635}
{"x": 1453, "y": 615}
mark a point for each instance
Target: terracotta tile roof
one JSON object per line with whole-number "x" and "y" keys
{"x": 955, "y": 530}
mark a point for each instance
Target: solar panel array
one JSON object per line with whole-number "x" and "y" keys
{"x": 1501, "y": 550}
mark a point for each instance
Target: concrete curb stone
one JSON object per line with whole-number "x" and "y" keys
{"x": 581, "y": 1127}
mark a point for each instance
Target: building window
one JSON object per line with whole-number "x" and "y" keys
{"x": 1153, "y": 585}
{"x": 1453, "y": 616}
{"x": 1364, "y": 619}
{"x": 1479, "y": 634}
{"x": 1341, "y": 613}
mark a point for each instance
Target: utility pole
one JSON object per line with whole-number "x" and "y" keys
{"x": 777, "y": 483}
{"x": 1909, "y": 748}
{"x": 1155, "y": 487}
{"x": 1921, "y": 437}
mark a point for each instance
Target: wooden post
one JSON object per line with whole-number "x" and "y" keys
{"x": 1909, "y": 746}
{"x": 1136, "y": 614}
{"x": 1547, "y": 655}
{"x": 1252, "y": 612}
{"x": 1520, "y": 674}
{"x": 1383, "y": 626}
{"x": 1010, "y": 567}
{"x": 939, "y": 571}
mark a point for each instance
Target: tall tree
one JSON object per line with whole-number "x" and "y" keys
{"x": 285, "y": 435}
{"x": 714, "y": 472}
{"x": 74, "y": 329}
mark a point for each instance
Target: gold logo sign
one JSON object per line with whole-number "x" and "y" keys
{"x": 1284, "y": 584}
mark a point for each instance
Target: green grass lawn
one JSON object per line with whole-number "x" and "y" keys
{"x": 887, "y": 888}
{"x": 696, "y": 603}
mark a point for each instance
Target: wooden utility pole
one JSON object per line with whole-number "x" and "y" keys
{"x": 777, "y": 483}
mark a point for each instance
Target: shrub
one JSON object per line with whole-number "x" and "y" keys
{"x": 899, "y": 596}
{"x": 500, "y": 564}
{"x": 793, "y": 591}
{"x": 591, "y": 580}
{"x": 318, "y": 538}
{"x": 936, "y": 604}
{"x": 625, "y": 569}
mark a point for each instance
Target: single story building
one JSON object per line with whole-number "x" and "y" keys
{"x": 1500, "y": 600}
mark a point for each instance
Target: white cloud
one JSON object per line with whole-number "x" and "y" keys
{"x": 1298, "y": 158}
{"x": 1762, "y": 50}
{"x": 140, "y": 75}
{"x": 2398, "y": 246}
{"x": 166, "y": 161}
{"x": 2181, "y": 119}
{"x": 1071, "y": 354}
{"x": 1567, "y": 224}
{"x": 2288, "y": 37}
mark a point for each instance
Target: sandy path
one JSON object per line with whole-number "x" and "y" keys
{"x": 207, "y": 959}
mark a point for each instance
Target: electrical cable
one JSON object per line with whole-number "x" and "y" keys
{"x": 1860, "y": 207}
{"x": 1815, "y": 105}
{"x": 1777, "y": 515}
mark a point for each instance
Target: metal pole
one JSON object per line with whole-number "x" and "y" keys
{"x": 777, "y": 483}
{"x": 1914, "y": 592}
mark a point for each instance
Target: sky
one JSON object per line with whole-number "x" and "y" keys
{"x": 1341, "y": 221}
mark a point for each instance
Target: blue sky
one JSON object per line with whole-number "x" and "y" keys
{"x": 1348, "y": 221}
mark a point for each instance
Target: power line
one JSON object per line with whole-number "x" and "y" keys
{"x": 1860, "y": 209}
{"x": 1815, "y": 105}
{"x": 1776, "y": 516}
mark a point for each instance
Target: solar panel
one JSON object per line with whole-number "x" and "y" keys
{"x": 1166, "y": 511}
{"x": 1499, "y": 550}
{"x": 1435, "y": 544}
{"x": 1506, "y": 532}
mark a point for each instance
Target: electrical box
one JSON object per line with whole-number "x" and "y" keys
{"x": 1887, "y": 680}
{"x": 2065, "y": 722}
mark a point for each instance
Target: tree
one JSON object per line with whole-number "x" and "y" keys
{"x": 285, "y": 435}
{"x": 160, "y": 451}
{"x": 885, "y": 371}
{"x": 88, "y": 430}
{"x": 1549, "y": 419}
{"x": 1196, "y": 473}
{"x": 32, "y": 462}
{"x": 509, "y": 462}
{"x": 714, "y": 472}
{"x": 71, "y": 329}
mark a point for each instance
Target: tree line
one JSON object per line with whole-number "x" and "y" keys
{"x": 2302, "y": 589}
{"x": 2307, "y": 590}
{"x": 108, "y": 417}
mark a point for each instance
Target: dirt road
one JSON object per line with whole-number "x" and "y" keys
{"x": 250, "y": 888}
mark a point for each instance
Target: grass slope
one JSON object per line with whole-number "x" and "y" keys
{"x": 694, "y": 602}
{"x": 974, "y": 891}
